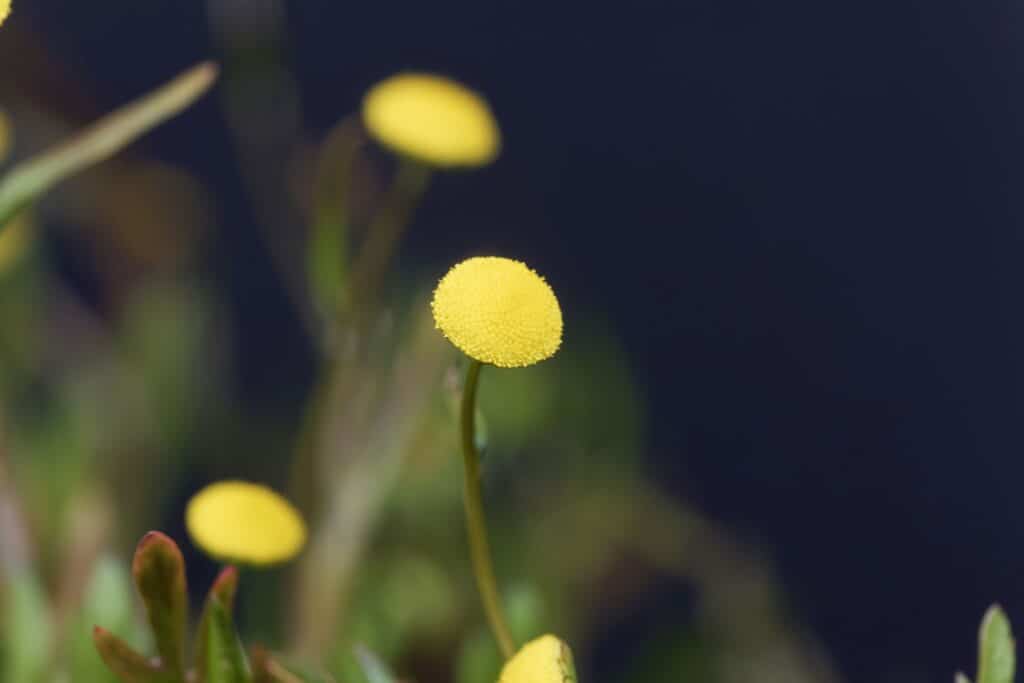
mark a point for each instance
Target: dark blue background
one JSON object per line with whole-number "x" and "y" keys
{"x": 803, "y": 218}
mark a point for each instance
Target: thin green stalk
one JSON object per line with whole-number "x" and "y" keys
{"x": 407, "y": 188}
{"x": 29, "y": 179}
{"x": 476, "y": 524}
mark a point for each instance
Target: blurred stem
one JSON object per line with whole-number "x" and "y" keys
{"x": 25, "y": 182}
{"x": 328, "y": 257}
{"x": 476, "y": 524}
{"x": 406, "y": 189}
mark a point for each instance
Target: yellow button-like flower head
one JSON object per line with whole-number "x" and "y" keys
{"x": 5, "y": 9}
{"x": 432, "y": 119}
{"x": 498, "y": 311}
{"x": 247, "y": 523}
{"x": 544, "y": 660}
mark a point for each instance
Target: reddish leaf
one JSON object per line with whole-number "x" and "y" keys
{"x": 159, "y": 571}
{"x": 126, "y": 663}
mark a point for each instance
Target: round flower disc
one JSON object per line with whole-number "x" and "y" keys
{"x": 544, "y": 660}
{"x": 432, "y": 119}
{"x": 498, "y": 311}
{"x": 247, "y": 523}
{"x": 5, "y": 9}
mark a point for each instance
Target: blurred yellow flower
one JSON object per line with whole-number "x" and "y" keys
{"x": 498, "y": 311}
{"x": 432, "y": 119}
{"x": 243, "y": 522}
{"x": 5, "y": 9}
{"x": 544, "y": 660}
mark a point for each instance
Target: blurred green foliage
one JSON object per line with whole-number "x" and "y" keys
{"x": 110, "y": 413}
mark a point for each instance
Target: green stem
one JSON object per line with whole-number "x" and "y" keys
{"x": 407, "y": 188}
{"x": 476, "y": 524}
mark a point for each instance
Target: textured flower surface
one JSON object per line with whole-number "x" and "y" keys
{"x": 432, "y": 119}
{"x": 5, "y": 9}
{"x": 544, "y": 660}
{"x": 498, "y": 311}
{"x": 243, "y": 522}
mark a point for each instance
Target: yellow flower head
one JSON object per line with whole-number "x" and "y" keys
{"x": 5, "y": 9}
{"x": 498, "y": 311}
{"x": 247, "y": 523}
{"x": 432, "y": 119}
{"x": 544, "y": 660}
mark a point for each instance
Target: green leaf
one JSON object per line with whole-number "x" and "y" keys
{"x": 127, "y": 664}
{"x": 26, "y": 629}
{"x": 226, "y": 661}
{"x": 996, "y": 648}
{"x": 31, "y": 178}
{"x": 159, "y": 571}
{"x": 373, "y": 668}
{"x": 479, "y": 659}
{"x": 526, "y": 612}
{"x": 223, "y": 591}
{"x": 108, "y": 601}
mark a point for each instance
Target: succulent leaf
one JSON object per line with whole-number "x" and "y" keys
{"x": 226, "y": 661}
{"x": 126, "y": 663}
{"x": 159, "y": 572}
{"x": 996, "y": 658}
{"x": 223, "y": 590}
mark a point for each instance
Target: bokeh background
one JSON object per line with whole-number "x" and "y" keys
{"x": 786, "y": 237}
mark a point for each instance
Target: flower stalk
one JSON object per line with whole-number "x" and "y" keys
{"x": 476, "y": 524}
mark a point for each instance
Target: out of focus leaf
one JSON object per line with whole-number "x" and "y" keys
{"x": 159, "y": 571}
{"x": 127, "y": 664}
{"x": 222, "y": 592}
{"x": 526, "y": 612}
{"x": 26, "y": 629}
{"x": 226, "y": 661}
{"x": 267, "y": 669}
{"x": 479, "y": 660}
{"x": 373, "y": 668}
{"x": 996, "y": 648}
{"x": 262, "y": 664}
{"x": 31, "y": 178}
{"x": 107, "y": 601}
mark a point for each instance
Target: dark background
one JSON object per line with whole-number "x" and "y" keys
{"x": 802, "y": 218}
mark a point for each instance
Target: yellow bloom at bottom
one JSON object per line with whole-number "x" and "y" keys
{"x": 544, "y": 660}
{"x": 242, "y": 522}
{"x": 5, "y": 9}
